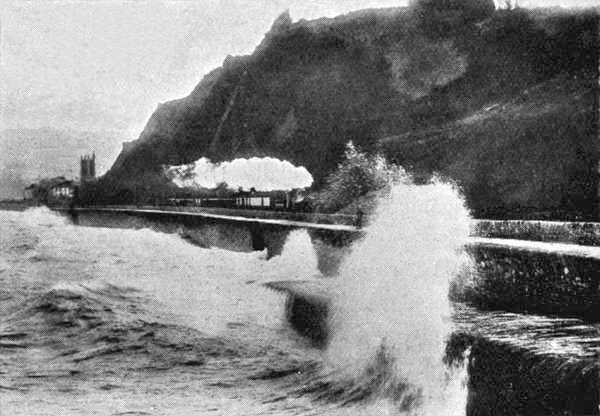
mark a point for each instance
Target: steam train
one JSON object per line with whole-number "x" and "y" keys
{"x": 293, "y": 200}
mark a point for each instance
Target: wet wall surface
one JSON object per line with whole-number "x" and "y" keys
{"x": 532, "y": 282}
{"x": 519, "y": 364}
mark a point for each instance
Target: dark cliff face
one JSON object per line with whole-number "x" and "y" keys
{"x": 501, "y": 101}
{"x": 301, "y": 96}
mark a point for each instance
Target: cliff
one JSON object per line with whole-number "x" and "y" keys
{"x": 502, "y": 101}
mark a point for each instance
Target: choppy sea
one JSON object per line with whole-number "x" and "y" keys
{"x": 106, "y": 321}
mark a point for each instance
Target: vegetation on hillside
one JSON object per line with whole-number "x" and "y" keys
{"x": 358, "y": 175}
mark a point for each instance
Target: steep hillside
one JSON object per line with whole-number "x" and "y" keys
{"x": 531, "y": 155}
{"x": 489, "y": 98}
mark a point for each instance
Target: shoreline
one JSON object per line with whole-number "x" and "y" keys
{"x": 586, "y": 233}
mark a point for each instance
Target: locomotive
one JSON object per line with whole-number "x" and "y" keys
{"x": 294, "y": 200}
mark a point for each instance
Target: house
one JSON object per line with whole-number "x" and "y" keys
{"x": 30, "y": 192}
{"x": 61, "y": 191}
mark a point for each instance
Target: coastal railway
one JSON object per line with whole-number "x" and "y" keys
{"x": 293, "y": 200}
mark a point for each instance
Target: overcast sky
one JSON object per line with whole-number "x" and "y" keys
{"x": 105, "y": 65}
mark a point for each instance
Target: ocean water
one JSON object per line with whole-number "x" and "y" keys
{"x": 114, "y": 321}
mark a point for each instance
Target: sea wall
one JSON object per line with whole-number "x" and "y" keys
{"x": 330, "y": 246}
{"x": 505, "y": 379}
{"x": 525, "y": 279}
{"x": 200, "y": 231}
{"x": 518, "y": 363}
{"x": 318, "y": 218}
{"x": 584, "y": 233}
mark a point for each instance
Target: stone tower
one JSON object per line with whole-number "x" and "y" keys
{"x": 88, "y": 168}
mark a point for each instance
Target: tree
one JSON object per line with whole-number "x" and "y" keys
{"x": 357, "y": 175}
{"x": 182, "y": 173}
{"x": 222, "y": 190}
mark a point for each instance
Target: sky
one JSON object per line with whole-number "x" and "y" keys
{"x": 105, "y": 65}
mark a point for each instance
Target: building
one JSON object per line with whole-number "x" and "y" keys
{"x": 30, "y": 192}
{"x": 61, "y": 192}
{"x": 88, "y": 168}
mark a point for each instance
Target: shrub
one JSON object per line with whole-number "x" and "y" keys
{"x": 357, "y": 175}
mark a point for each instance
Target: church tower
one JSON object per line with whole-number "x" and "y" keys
{"x": 88, "y": 168}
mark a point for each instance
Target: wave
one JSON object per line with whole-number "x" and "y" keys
{"x": 202, "y": 313}
{"x": 41, "y": 217}
{"x": 93, "y": 327}
{"x": 390, "y": 314}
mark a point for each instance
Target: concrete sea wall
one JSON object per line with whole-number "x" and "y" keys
{"x": 508, "y": 380}
{"x": 310, "y": 217}
{"x": 542, "y": 278}
{"x": 584, "y": 233}
{"x": 518, "y": 364}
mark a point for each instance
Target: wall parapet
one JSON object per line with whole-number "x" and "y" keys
{"x": 584, "y": 233}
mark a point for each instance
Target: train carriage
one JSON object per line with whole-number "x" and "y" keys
{"x": 260, "y": 200}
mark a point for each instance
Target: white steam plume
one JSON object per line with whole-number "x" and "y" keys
{"x": 263, "y": 174}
